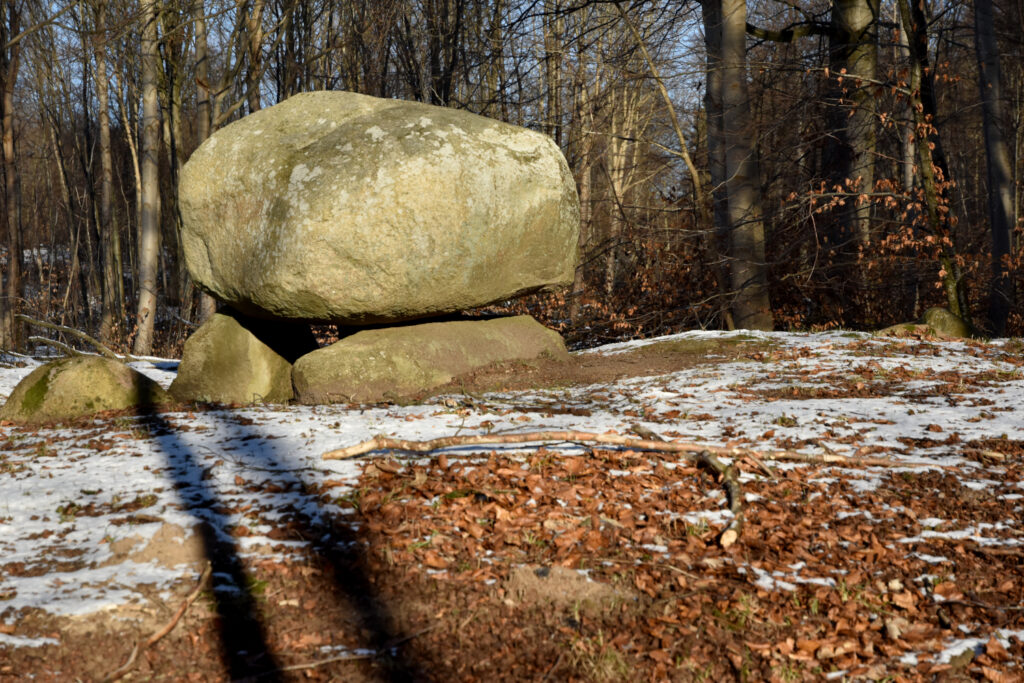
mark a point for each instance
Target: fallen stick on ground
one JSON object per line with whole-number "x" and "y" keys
{"x": 329, "y": 660}
{"x": 352, "y": 657}
{"x": 691, "y": 450}
{"x": 730, "y": 480}
{"x": 167, "y": 628}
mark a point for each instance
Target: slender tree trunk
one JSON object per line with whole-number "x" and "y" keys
{"x": 751, "y": 307}
{"x": 110, "y": 236}
{"x": 932, "y": 168}
{"x": 149, "y": 220}
{"x": 1000, "y": 183}
{"x": 554, "y": 26}
{"x": 493, "y": 67}
{"x": 254, "y": 37}
{"x": 10, "y": 61}
{"x": 178, "y": 291}
{"x": 207, "y": 304}
{"x": 850, "y": 154}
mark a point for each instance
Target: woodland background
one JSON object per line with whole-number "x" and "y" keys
{"x": 787, "y": 165}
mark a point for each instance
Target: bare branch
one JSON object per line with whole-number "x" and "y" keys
{"x": 691, "y": 450}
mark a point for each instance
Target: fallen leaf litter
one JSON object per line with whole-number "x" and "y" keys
{"x": 908, "y": 571}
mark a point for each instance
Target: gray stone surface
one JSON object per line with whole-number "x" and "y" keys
{"x": 77, "y": 386}
{"x": 334, "y": 206}
{"x": 233, "y": 358}
{"x": 945, "y": 323}
{"x": 399, "y": 363}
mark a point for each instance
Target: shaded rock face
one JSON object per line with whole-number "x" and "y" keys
{"x": 233, "y": 358}
{"x": 397, "y": 363}
{"x": 944, "y": 322}
{"x": 339, "y": 207}
{"x": 77, "y": 386}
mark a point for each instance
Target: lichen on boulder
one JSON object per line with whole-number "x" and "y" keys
{"x": 77, "y": 386}
{"x": 945, "y": 322}
{"x": 935, "y": 322}
{"x": 233, "y": 358}
{"x": 339, "y": 207}
{"x": 401, "y": 363}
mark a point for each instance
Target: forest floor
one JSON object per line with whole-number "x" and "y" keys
{"x": 215, "y": 543}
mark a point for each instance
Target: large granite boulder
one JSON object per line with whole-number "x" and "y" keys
{"x": 77, "y": 386}
{"x": 333, "y": 206}
{"x": 404, "y": 362}
{"x": 233, "y": 358}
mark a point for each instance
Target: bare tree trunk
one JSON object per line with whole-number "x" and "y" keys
{"x": 853, "y": 61}
{"x": 625, "y": 127}
{"x": 582, "y": 143}
{"x": 1000, "y": 184}
{"x": 254, "y": 38}
{"x": 178, "y": 290}
{"x": 849, "y": 153}
{"x": 10, "y": 61}
{"x": 713, "y": 109}
{"x": 554, "y": 26}
{"x": 494, "y": 66}
{"x": 149, "y": 220}
{"x": 751, "y": 307}
{"x": 207, "y": 304}
{"x": 932, "y": 168}
{"x": 110, "y": 236}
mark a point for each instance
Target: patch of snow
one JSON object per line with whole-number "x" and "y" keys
{"x": 930, "y": 559}
{"x": 205, "y": 455}
{"x": 23, "y": 641}
{"x": 957, "y": 646}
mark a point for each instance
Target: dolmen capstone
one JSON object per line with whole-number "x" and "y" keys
{"x": 380, "y": 216}
{"x": 339, "y": 207}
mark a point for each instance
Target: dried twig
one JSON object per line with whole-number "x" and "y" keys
{"x": 163, "y": 631}
{"x": 100, "y": 347}
{"x": 329, "y": 660}
{"x": 691, "y": 450}
{"x": 355, "y": 657}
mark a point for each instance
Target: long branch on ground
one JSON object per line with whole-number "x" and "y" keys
{"x": 689, "y": 450}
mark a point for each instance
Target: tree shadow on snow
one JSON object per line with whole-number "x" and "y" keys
{"x": 244, "y": 648}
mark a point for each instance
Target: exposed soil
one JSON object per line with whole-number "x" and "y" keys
{"x": 468, "y": 569}
{"x": 583, "y": 369}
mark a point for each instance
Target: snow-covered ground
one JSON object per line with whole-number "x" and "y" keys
{"x": 85, "y": 512}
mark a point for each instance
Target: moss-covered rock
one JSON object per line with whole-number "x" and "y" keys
{"x": 77, "y": 386}
{"x": 936, "y": 322}
{"x": 945, "y": 323}
{"x": 236, "y": 359}
{"x": 398, "y": 363}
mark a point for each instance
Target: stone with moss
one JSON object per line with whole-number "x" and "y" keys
{"x": 945, "y": 323}
{"x": 936, "y": 322}
{"x": 339, "y": 207}
{"x": 233, "y": 358}
{"x": 78, "y": 386}
{"x": 407, "y": 362}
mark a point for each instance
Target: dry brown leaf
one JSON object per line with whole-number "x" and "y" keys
{"x": 906, "y": 600}
{"x": 995, "y": 650}
{"x": 434, "y": 561}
